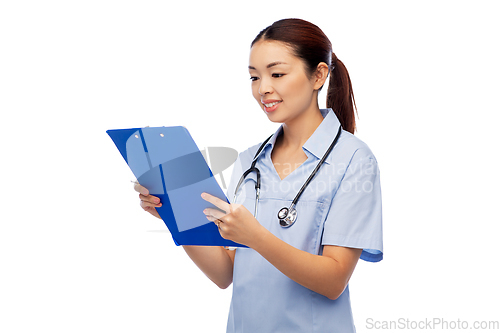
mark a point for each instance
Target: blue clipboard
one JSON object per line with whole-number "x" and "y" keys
{"x": 168, "y": 163}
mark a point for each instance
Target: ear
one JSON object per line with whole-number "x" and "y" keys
{"x": 319, "y": 77}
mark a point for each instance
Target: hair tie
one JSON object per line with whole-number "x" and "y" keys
{"x": 333, "y": 61}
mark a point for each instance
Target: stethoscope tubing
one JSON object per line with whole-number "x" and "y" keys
{"x": 313, "y": 173}
{"x": 291, "y": 209}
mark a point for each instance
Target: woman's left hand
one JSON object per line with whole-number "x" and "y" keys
{"x": 235, "y": 222}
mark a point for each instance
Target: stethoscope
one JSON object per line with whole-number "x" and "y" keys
{"x": 286, "y": 216}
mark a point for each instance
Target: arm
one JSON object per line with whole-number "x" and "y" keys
{"x": 326, "y": 274}
{"x": 214, "y": 261}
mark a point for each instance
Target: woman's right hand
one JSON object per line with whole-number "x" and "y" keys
{"x": 148, "y": 202}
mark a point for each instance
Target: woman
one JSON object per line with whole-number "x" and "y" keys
{"x": 295, "y": 278}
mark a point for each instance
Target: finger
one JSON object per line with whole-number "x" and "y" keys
{"x": 214, "y": 213}
{"x": 152, "y": 211}
{"x": 150, "y": 198}
{"x": 141, "y": 189}
{"x": 218, "y": 223}
{"x": 212, "y": 219}
{"x": 217, "y": 202}
{"x": 146, "y": 205}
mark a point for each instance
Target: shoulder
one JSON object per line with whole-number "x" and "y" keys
{"x": 350, "y": 148}
{"x": 248, "y": 154}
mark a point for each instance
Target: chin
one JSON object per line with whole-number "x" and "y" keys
{"x": 274, "y": 118}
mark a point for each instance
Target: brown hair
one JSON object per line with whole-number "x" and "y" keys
{"x": 310, "y": 44}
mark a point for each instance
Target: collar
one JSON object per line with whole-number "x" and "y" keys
{"x": 323, "y": 136}
{"x": 319, "y": 141}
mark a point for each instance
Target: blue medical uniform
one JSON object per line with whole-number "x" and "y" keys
{"x": 341, "y": 206}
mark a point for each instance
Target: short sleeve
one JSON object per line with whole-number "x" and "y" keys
{"x": 355, "y": 215}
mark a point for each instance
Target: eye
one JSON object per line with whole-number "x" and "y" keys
{"x": 277, "y": 75}
{"x": 254, "y": 78}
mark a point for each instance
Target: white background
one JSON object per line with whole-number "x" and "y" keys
{"x": 77, "y": 254}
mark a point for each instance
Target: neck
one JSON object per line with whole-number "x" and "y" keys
{"x": 298, "y": 130}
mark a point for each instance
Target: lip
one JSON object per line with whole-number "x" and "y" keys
{"x": 267, "y": 101}
{"x": 274, "y": 107}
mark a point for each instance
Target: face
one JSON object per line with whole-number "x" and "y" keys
{"x": 280, "y": 83}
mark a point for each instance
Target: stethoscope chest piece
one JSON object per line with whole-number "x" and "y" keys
{"x": 287, "y": 216}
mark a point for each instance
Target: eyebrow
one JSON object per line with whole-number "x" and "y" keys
{"x": 270, "y": 65}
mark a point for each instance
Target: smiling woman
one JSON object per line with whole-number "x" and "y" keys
{"x": 307, "y": 44}
{"x": 293, "y": 277}
{"x": 283, "y": 85}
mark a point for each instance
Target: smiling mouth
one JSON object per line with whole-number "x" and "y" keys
{"x": 270, "y": 105}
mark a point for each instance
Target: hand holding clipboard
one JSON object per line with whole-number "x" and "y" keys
{"x": 167, "y": 162}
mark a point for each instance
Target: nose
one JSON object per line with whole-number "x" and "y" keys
{"x": 265, "y": 87}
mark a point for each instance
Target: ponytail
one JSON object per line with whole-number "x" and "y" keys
{"x": 340, "y": 97}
